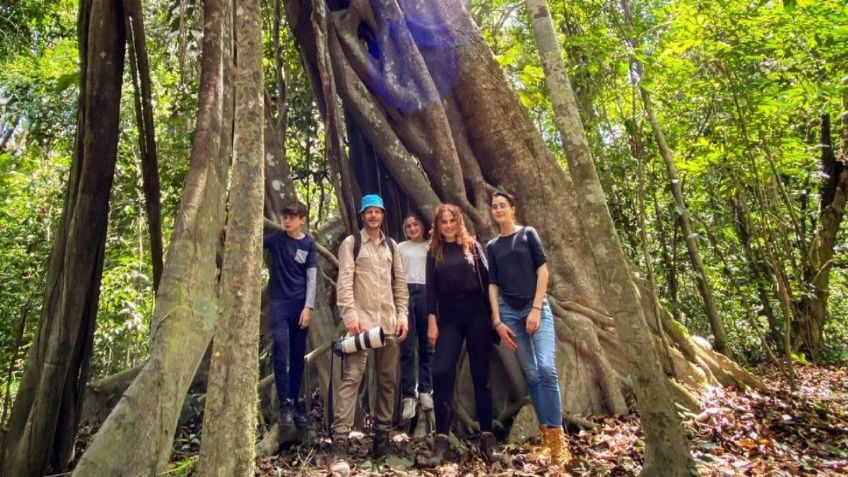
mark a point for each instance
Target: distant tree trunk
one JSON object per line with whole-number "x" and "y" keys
{"x": 8, "y": 130}
{"x": 229, "y": 421}
{"x": 817, "y": 264}
{"x": 140, "y": 69}
{"x": 666, "y": 450}
{"x": 137, "y": 437}
{"x": 669, "y": 258}
{"x": 759, "y": 269}
{"x": 715, "y": 321}
{"x": 19, "y": 341}
{"x": 45, "y": 416}
{"x": 279, "y": 187}
{"x": 392, "y": 102}
{"x": 637, "y": 148}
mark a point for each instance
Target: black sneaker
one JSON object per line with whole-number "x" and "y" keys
{"x": 441, "y": 446}
{"x": 487, "y": 446}
{"x": 381, "y": 446}
{"x": 286, "y": 413}
{"x": 300, "y": 417}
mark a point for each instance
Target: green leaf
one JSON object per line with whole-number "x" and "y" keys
{"x": 789, "y": 5}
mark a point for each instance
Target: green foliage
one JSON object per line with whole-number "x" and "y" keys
{"x": 736, "y": 88}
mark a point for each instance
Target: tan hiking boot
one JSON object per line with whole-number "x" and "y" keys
{"x": 553, "y": 439}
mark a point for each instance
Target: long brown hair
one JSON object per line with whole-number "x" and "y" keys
{"x": 463, "y": 238}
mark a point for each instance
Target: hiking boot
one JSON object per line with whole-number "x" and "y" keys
{"x": 339, "y": 450}
{"x": 553, "y": 438}
{"x": 487, "y": 446}
{"x": 426, "y": 401}
{"x": 300, "y": 417}
{"x": 408, "y": 408}
{"x": 381, "y": 445}
{"x": 441, "y": 446}
{"x": 286, "y": 412}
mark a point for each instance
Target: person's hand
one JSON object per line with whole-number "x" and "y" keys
{"x": 354, "y": 327}
{"x": 534, "y": 320}
{"x": 432, "y": 331}
{"x": 305, "y": 317}
{"x": 506, "y": 335}
{"x": 402, "y": 330}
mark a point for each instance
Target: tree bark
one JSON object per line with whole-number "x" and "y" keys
{"x": 499, "y": 144}
{"x": 666, "y": 451}
{"x": 229, "y": 421}
{"x": 45, "y": 416}
{"x": 279, "y": 187}
{"x": 140, "y": 69}
{"x": 812, "y": 314}
{"x": 136, "y": 438}
{"x": 19, "y": 341}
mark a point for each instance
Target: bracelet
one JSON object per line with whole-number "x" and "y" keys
{"x": 497, "y": 324}
{"x": 538, "y": 308}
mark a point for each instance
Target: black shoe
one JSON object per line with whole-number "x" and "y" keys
{"x": 300, "y": 417}
{"x": 381, "y": 446}
{"x": 487, "y": 446}
{"x": 441, "y": 445}
{"x": 286, "y": 413}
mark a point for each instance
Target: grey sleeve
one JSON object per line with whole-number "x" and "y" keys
{"x": 311, "y": 283}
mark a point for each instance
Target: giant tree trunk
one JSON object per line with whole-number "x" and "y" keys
{"x": 137, "y": 436}
{"x": 834, "y": 189}
{"x": 45, "y": 415}
{"x": 498, "y": 145}
{"x": 229, "y": 422}
{"x": 665, "y": 445}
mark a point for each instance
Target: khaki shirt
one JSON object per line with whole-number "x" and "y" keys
{"x": 364, "y": 289}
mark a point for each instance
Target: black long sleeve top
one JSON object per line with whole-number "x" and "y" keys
{"x": 454, "y": 279}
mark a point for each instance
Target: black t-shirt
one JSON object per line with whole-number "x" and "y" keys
{"x": 514, "y": 261}
{"x": 454, "y": 278}
{"x": 289, "y": 260}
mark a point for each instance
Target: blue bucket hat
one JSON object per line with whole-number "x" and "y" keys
{"x": 371, "y": 200}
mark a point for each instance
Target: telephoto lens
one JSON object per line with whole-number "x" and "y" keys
{"x": 368, "y": 339}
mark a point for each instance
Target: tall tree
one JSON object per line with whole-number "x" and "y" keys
{"x": 44, "y": 419}
{"x": 388, "y": 97}
{"x": 229, "y": 422}
{"x": 818, "y": 261}
{"x": 665, "y": 445}
{"x": 137, "y": 436}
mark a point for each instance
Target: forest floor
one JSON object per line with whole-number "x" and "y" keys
{"x": 739, "y": 433}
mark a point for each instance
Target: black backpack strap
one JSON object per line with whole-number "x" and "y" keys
{"x": 392, "y": 247}
{"x": 357, "y": 244}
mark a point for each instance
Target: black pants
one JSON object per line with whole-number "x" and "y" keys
{"x": 467, "y": 320}
{"x": 417, "y": 338}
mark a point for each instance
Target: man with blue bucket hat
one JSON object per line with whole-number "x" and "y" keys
{"x": 371, "y": 291}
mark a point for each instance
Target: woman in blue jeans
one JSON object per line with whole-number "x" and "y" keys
{"x": 518, "y": 280}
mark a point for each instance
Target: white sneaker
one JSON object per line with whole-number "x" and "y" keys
{"x": 426, "y": 400}
{"x": 408, "y": 408}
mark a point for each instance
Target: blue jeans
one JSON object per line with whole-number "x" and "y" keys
{"x": 536, "y": 355}
{"x": 288, "y": 348}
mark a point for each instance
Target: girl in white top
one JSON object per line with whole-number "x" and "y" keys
{"x": 413, "y": 253}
